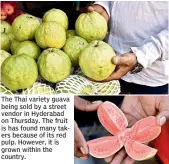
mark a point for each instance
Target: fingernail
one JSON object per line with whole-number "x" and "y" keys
{"x": 85, "y": 158}
{"x": 96, "y": 102}
{"x": 163, "y": 120}
{"x": 83, "y": 150}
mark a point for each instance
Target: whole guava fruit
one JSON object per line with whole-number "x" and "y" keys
{"x": 29, "y": 48}
{"x": 91, "y": 26}
{"x": 58, "y": 16}
{"x": 24, "y": 27}
{"x": 54, "y": 65}
{"x": 3, "y": 56}
{"x": 95, "y": 60}
{"x": 14, "y": 45}
{"x": 19, "y": 72}
{"x": 5, "y": 27}
{"x": 50, "y": 35}
{"x": 39, "y": 89}
{"x": 5, "y": 40}
{"x": 70, "y": 33}
{"x": 73, "y": 47}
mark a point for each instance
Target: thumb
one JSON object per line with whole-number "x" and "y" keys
{"x": 119, "y": 60}
{"x": 162, "y": 106}
{"x": 162, "y": 117}
{"x": 90, "y": 9}
{"x": 84, "y": 105}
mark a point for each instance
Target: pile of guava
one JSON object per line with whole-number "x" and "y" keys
{"x": 48, "y": 54}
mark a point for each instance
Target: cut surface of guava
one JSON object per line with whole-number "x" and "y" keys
{"x": 145, "y": 130}
{"x": 139, "y": 151}
{"x": 104, "y": 147}
{"x": 112, "y": 118}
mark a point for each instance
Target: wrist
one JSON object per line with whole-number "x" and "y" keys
{"x": 137, "y": 67}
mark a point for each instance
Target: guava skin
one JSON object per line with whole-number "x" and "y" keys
{"x": 6, "y": 36}
{"x": 24, "y": 27}
{"x": 70, "y": 33}
{"x": 54, "y": 65}
{"x": 14, "y": 45}
{"x": 29, "y": 48}
{"x": 39, "y": 88}
{"x": 3, "y": 56}
{"x": 73, "y": 47}
{"x": 58, "y": 16}
{"x": 91, "y": 26}
{"x": 5, "y": 27}
{"x": 19, "y": 72}
{"x": 95, "y": 60}
{"x": 50, "y": 35}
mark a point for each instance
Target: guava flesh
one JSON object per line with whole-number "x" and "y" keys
{"x": 112, "y": 118}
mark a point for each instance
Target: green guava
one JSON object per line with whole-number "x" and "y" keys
{"x": 39, "y": 89}
{"x": 70, "y": 33}
{"x": 24, "y": 27}
{"x": 104, "y": 88}
{"x": 50, "y": 34}
{"x": 91, "y": 26}
{"x": 73, "y": 47}
{"x": 54, "y": 65}
{"x": 5, "y": 42}
{"x": 77, "y": 85}
{"x": 6, "y": 39}
{"x": 19, "y": 72}
{"x": 5, "y": 27}
{"x": 14, "y": 45}
{"x": 95, "y": 60}
{"x": 3, "y": 56}
{"x": 29, "y": 48}
{"x": 4, "y": 90}
{"x": 58, "y": 16}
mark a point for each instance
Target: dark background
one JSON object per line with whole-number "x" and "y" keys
{"x": 71, "y": 8}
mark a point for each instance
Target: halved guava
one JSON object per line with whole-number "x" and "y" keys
{"x": 112, "y": 118}
{"x": 139, "y": 151}
{"x": 105, "y": 146}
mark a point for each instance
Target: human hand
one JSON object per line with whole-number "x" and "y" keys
{"x": 100, "y": 10}
{"x": 136, "y": 108}
{"x": 124, "y": 64}
{"x": 84, "y": 105}
{"x": 80, "y": 145}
